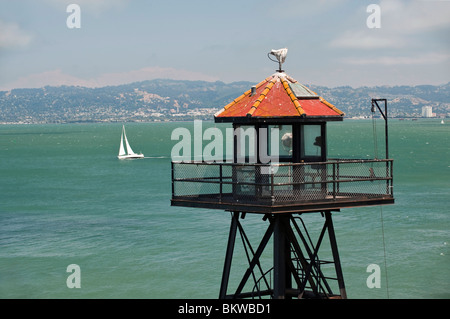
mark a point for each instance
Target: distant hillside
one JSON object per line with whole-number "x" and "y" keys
{"x": 168, "y": 100}
{"x": 403, "y": 101}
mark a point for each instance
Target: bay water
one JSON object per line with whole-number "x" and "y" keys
{"x": 66, "y": 199}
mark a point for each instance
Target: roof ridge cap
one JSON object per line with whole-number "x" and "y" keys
{"x": 331, "y": 106}
{"x": 279, "y": 74}
{"x": 294, "y": 99}
{"x": 262, "y": 96}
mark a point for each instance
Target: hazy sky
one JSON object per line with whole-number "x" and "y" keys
{"x": 122, "y": 41}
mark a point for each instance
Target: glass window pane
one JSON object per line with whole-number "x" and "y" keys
{"x": 312, "y": 140}
{"x": 246, "y": 144}
{"x": 284, "y": 141}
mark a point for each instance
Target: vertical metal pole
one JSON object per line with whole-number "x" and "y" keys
{"x": 337, "y": 177}
{"x": 392, "y": 179}
{"x": 271, "y": 186}
{"x": 385, "y": 117}
{"x": 229, "y": 255}
{"x": 386, "y": 128}
{"x": 221, "y": 181}
{"x": 173, "y": 182}
{"x": 388, "y": 181}
{"x": 387, "y": 145}
{"x": 334, "y": 249}
{"x": 334, "y": 180}
{"x": 280, "y": 254}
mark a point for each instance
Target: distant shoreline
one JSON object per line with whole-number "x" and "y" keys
{"x": 177, "y": 100}
{"x": 206, "y": 120}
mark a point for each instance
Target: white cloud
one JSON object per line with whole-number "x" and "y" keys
{"x": 410, "y": 17}
{"x": 149, "y": 73}
{"x": 430, "y": 58}
{"x": 57, "y": 78}
{"x": 52, "y": 78}
{"x": 294, "y": 8}
{"x": 95, "y": 6}
{"x": 11, "y": 36}
{"x": 402, "y": 22}
{"x": 364, "y": 39}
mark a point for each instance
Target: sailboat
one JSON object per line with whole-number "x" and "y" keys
{"x": 128, "y": 153}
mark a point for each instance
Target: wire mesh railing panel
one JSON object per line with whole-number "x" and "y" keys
{"x": 283, "y": 183}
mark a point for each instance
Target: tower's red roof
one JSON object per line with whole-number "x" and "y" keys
{"x": 278, "y": 96}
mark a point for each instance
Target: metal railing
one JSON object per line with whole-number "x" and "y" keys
{"x": 270, "y": 184}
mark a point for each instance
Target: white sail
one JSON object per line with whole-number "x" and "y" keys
{"x": 128, "y": 152}
{"x": 121, "y": 149}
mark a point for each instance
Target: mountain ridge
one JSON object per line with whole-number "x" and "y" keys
{"x": 168, "y": 100}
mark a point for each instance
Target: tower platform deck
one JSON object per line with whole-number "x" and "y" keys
{"x": 284, "y": 187}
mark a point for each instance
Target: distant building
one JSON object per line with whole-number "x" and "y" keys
{"x": 427, "y": 111}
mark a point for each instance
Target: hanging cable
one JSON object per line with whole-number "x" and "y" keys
{"x": 384, "y": 251}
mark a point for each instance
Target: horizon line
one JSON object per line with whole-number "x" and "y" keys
{"x": 206, "y": 81}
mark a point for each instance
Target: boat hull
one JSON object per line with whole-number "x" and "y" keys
{"x": 134, "y": 156}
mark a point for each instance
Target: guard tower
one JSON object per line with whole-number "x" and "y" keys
{"x": 280, "y": 170}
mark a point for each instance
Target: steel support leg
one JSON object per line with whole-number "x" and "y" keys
{"x": 337, "y": 261}
{"x": 255, "y": 259}
{"x": 281, "y": 255}
{"x": 229, "y": 255}
{"x": 286, "y": 250}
